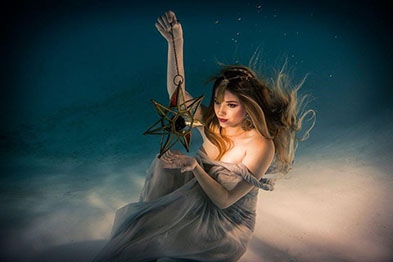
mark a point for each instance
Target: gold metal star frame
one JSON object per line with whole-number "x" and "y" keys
{"x": 176, "y": 121}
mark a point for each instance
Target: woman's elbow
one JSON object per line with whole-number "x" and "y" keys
{"x": 220, "y": 205}
{"x": 223, "y": 202}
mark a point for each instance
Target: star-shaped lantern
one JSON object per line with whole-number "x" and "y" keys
{"x": 176, "y": 121}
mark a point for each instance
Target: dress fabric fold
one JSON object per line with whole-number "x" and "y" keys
{"x": 175, "y": 220}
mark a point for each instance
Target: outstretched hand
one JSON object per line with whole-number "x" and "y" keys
{"x": 178, "y": 161}
{"x": 167, "y": 23}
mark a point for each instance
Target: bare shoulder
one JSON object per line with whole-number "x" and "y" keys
{"x": 259, "y": 153}
{"x": 258, "y": 143}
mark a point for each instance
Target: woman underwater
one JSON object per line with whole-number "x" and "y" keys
{"x": 203, "y": 208}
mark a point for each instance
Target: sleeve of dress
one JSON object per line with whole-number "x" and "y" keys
{"x": 242, "y": 170}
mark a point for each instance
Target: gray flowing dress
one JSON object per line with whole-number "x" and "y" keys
{"x": 175, "y": 220}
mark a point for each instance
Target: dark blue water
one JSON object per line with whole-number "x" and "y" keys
{"x": 78, "y": 76}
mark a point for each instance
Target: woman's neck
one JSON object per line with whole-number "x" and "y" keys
{"x": 233, "y": 132}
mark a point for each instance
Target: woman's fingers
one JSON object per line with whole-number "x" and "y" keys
{"x": 164, "y": 22}
{"x": 169, "y": 26}
{"x": 169, "y": 157}
{"x": 165, "y": 157}
{"x": 172, "y": 160}
{"x": 167, "y": 19}
{"x": 171, "y": 17}
{"x": 177, "y": 161}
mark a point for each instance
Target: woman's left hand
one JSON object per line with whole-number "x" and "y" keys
{"x": 167, "y": 24}
{"x": 178, "y": 161}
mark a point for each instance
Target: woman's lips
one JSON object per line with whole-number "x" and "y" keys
{"x": 222, "y": 120}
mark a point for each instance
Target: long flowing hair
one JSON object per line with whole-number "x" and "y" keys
{"x": 276, "y": 111}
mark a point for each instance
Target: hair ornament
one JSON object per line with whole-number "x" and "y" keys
{"x": 244, "y": 71}
{"x": 243, "y": 74}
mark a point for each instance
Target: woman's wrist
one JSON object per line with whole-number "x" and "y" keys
{"x": 177, "y": 41}
{"x": 197, "y": 168}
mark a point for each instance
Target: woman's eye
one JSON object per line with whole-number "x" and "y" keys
{"x": 216, "y": 102}
{"x": 232, "y": 105}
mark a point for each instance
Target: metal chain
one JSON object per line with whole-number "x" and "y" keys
{"x": 177, "y": 65}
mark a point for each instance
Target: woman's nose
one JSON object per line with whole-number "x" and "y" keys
{"x": 221, "y": 110}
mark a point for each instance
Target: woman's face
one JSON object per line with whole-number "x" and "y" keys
{"x": 230, "y": 112}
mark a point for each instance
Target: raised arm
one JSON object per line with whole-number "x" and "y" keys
{"x": 167, "y": 24}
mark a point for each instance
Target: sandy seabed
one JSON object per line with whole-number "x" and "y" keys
{"x": 336, "y": 206}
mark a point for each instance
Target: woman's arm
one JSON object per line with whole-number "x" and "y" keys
{"x": 166, "y": 24}
{"x": 257, "y": 159}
